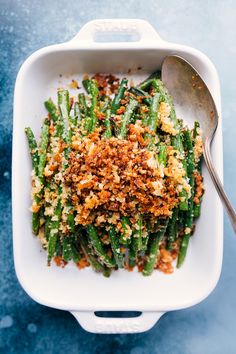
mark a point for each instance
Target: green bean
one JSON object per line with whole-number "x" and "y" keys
{"x": 82, "y": 105}
{"x": 105, "y": 105}
{"x": 76, "y": 111}
{"x": 35, "y": 222}
{"x": 118, "y": 97}
{"x": 58, "y": 247}
{"x": 108, "y": 133}
{"x": 125, "y": 238}
{"x": 64, "y": 103}
{"x": 66, "y": 249}
{"x": 135, "y": 116}
{"x": 47, "y": 227}
{"x": 153, "y": 248}
{"x": 146, "y": 84}
{"x": 145, "y": 242}
{"x": 87, "y": 85}
{"x": 162, "y": 156}
{"x": 77, "y": 116}
{"x": 39, "y": 177}
{"x": 188, "y": 221}
{"x": 91, "y": 120}
{"x": 181, "y": 217}
{"x": 98, "y": 247}
{"x": 153, "y": 114}
{"x": 43, "y": 149}
{"x": 106, "y": 272}
{"x": 145, "y": 237}
{"x": 177, "y": 143}
{"x": 190, "y": 155}
{"x": 94, "y": 101}
{"x": 52, "y": 109}
{"x": 188, "y": 224}
{"x": 152, "y": 120}
{"x": 33, "y": 148}
{"x": 195, "y": 130}
{"x": 132, "y": 105}
{"x": 136, "y": 243}
{"x": 53, "y": 225}
{"x": 95, "y": 263}
{"x": 54, "y": 114}
{"x": 54, "y": 231}
{"x": 140, "y": 93}
{"x": 75, "y": 254}
{"x": 155, "y": 75}
{"x": 67, "y": 121}
{"x": 197, "y": 210}
{"x": 165, "y": 97}
{"x": 138, "y": 234}
{"x": 115, "y": 246}
{"x": 183, "y": 204}
{"x": 132, "y": 256}
{"x": 171, "y": 231}
{"x": 70, "y": 219}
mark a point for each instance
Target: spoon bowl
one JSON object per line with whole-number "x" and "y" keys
{"x": 193, "y": 101}
{"x": 192, "y": 97}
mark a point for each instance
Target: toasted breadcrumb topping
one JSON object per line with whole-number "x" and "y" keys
{"x": 112, "y": 177}
{"x": 199, "y": 188}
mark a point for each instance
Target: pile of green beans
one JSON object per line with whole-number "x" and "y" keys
{"x": 113, "y": 251}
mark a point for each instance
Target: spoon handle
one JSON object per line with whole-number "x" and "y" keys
{"x": 219, "y": 186}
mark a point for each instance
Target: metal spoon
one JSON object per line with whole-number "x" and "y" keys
{"x": 194, "y": 101}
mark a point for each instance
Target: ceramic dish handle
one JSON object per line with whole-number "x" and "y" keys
{"x": 94, "y": 324}
{"x": 144, "y": 32}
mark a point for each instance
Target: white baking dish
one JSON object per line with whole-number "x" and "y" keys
{"x": 83, "y": 292}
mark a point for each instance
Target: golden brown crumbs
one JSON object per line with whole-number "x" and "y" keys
{"x": 199, "y": 188}
{"x": 73, "y": 84}
{"x": 59, "y": 261}
{"x": 113, "y": 175}
{"x": 83, "y": 263}
{"x": 107, "y": 84}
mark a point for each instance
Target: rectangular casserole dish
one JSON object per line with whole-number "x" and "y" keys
{"x": 84, "y": 292}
